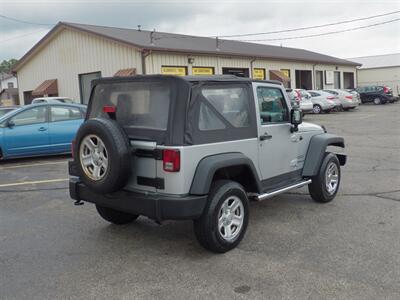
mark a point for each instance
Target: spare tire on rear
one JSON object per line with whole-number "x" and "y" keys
{"x": 102, "y": 155}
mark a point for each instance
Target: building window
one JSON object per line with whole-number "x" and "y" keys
{"x": 304, "y": 79}
{"x": 202, "y": 71}
{"x": 85, "y": 85}
{"x": 10, "y": 85}
{"x": 319, "y": 80}
{"x": 240, "y": 72}
{"x": 171, "y": 70}
{"x": 259, "y": 74}
{"x": 348, "y": 80}
{"x": 336, "y": 80}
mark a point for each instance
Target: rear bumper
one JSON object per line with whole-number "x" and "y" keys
{"x": 155, "y": 206}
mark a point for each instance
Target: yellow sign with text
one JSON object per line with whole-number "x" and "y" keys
{"x": 202, "y": 71}
{"x": 286, "y": 72}
{"x": 259, "y": 74}
{"x": 179, "y": 71}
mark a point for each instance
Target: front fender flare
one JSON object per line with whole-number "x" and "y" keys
{"x": 316, "y": 151}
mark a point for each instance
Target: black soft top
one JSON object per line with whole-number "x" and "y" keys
{"x": 185, "y": 102}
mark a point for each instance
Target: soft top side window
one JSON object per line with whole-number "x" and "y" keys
{"x": 230, "y": 102}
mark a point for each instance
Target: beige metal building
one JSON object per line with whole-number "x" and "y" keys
{"x": 380, "y": 70}
{"x": 70, "y": 56}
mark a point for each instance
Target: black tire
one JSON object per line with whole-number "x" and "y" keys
{"x": 317, "y": 109}
{"x": 115, "y": 216}
{"x": 377, "y": 101}
{"x": 206, "y": 228}
{"x": 317, "y": 188}
{"x": 118, "y": 150}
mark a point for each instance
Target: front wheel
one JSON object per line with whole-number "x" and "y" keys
{"x": 225, "y": 217}
{"x": 325, "y": 184}
{"x": 115, "y": 216}
{"x": 317, "y": 109}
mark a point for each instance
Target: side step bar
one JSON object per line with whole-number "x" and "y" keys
{"x": 282, "y": 190}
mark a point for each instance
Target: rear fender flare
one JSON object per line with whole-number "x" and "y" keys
{"x": 207, "y": 167}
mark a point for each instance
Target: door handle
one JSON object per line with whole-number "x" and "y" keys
{"x": 265, "y": 136}
{"x": 42, "y": 129}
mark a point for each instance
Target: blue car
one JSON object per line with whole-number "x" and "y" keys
{"x": 40, "y": 129}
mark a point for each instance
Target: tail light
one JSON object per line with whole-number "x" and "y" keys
{"x": 298, "y": 98}
{"x": 171, "y": 160}
{"x": 73, "y": 148}
{"x": 330, "y": 97}
{"x": 349, "y": 97}
{"x": 109, "y": 109}
{"x": 386, "y": 90}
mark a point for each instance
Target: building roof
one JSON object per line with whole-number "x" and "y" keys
{"x": 4, "y": 76}
{"x": 47, "y": 87}
{"x": 179, "y": 43}
{"x": 378, "y": 61}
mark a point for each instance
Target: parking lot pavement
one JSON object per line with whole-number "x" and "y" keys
{"x": 294, "y": 248}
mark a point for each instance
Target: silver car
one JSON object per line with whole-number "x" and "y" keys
{"x": 347, "y": 100}
{"x": 322, "y": 101}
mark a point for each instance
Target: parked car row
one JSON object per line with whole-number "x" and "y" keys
{"x": 319, "y": 101}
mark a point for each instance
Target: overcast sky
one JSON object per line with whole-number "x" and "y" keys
{"x": 211, "y": 18}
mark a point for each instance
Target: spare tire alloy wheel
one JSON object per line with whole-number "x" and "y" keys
{"x": 94, "y": 157}
{"x": 377, "y": 100}
{"x": 103, "y": 155}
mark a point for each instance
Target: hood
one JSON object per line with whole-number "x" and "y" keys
{"x": 305, "y": 126}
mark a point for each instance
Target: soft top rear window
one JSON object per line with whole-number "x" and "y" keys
{"x": 141, "y": 105}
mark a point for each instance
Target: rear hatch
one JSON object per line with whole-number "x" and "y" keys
{"x": 142, "y": 109}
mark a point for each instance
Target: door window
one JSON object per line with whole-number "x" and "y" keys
{"x": 64, "y": 114}
{"x": 32, "y": 116}
{"x": 272, "y": 104}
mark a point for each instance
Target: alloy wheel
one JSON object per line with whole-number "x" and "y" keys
{"x": 331, "y": 178}
{"x": 93, "y": 157}
{"x": 231, "y": 218}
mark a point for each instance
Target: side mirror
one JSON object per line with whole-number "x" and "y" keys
{"x": 10, "y": 124}
{"x": 296, "y": 118}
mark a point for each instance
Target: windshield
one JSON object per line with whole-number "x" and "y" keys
{"x": 5, "y": 111}
{"x": 138, "y": 104}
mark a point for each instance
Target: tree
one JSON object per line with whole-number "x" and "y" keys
{"x": 7, "y": 65}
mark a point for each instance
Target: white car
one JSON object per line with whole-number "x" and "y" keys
{"x": 322, "y": 101}
{"x": 53, "y": 100}
{"x": 347, "y": 99}
{"x": 301, "y": 98}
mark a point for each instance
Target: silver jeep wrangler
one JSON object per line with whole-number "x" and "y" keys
{"x": 197, "y": 148}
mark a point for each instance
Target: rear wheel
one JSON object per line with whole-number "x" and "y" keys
{"x": 225, "y": 218}
{"x": 115, "y": 216}
{"x": 317, "y": 109}
{"x": 325, "y": 184}
{"x": 377, "y": 101}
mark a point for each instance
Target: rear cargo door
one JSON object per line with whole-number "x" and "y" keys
{"x": 144, "y": 156}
